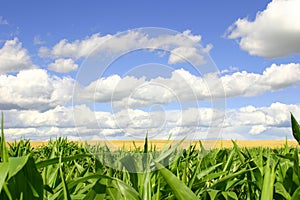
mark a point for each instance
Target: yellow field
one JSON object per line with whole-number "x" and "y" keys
{"x": 128, "y": 144}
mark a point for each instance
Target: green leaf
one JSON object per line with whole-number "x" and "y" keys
{"x": 179, "y": 189}
{"x": 223, "y": 181}
{"x": 296, "y": 194}
{"x": 3, "y": 149}
{"x": 279, "y": 189}
{"x": 53, "y": 161}
{"x": 4, "y": 167}
{"x": 97, "y": 192}
{"x": 129, "y": 163}
{"x": 146, "y": 144}
{"x": 24, "y": 181}
{"x": 268, "y": 183}
{"x": 229, "y": 196}
{"x": 65, "y": 188}
{"x": 238, "y": 151}
{"x": 207, "y": 171}
{"x": 295, "y": 128}
{"x": 167, "y": 151}
{"x": 145, "y": 154}
{"x": 16, "y": 164}
{"x": 296, "y": 164}
{"x": 213, "y": 193}
{"x": 127, "y": 191}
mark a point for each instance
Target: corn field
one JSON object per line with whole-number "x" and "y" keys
{"x": 64, "y": 169}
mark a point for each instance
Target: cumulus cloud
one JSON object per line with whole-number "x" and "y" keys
{"x": 273, "y": 78}
{"x": 182, "y": 46}
{"x": 13, "y": 57}
{"x": 195, "y": 123}
{"x": 257, "y": 129}
{"x": 184, "y": 86}
{"x": 34, "y": 89}
{"x": 275, "y": 32}
{"x": 63, "y": 65}
{"x": 261, "y": 119}
{"x": 38, "y": 90}
{"x": 75, "y": 49}
{"x": 190, "y": 54}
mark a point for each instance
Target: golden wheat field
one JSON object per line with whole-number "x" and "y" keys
{"x": 130, "y": 144}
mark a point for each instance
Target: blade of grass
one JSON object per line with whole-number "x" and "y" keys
{"x": 179, "y": 189}
{"x": 53, "y": 161}
{"x": 208, "y": 170}
{"x": 4, "y": 152}
{"x": 4, "y": 167}
{"x": 65, "y": 188}
{"x": 268, "y": 183}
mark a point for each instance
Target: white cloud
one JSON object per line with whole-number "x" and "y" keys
{"x": 257, "y": 129}
{"x": 273, "y": 78}
{"x": 75, "y": 49}
{"x": 261, "y": 119}
{"x": 63, "y": 65}
{"x": 183, "y": 86}
{"x": 245, "y": 123}
{"x": 13, "y": 57}
{"x": 281, "y": 76}
{"x": 229, "y": 70}
{"x": 34, "y": 89}
{"x": 275, "y": 32}
{"x": 181, "y": 46}
{"x": 187, "y": 54}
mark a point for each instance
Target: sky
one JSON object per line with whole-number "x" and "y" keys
{"x": 118, "y": 70}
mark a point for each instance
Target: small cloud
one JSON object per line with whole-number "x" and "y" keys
{"x": 63, "y": 65}
{"x": 229, "y": 70}
{"x": 258, "y": 129}
{"x": 3, "y": 21}
{"x": 37, "y": 40}
{"x": 44, "y": 52}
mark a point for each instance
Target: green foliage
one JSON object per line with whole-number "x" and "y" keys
{"x": 55, "y": 172}
{"x": 180, "y": 190}
{"x": 295, "y": 128}
{"x": 20, "y": 178}
{"x": 67, "y": 170}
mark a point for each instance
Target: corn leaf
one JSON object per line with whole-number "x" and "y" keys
{"x": 4, "y": 167}
{"x": 295, "y": 128}
{"x": 3, "y": 148}
{"x": 179, "y": 189}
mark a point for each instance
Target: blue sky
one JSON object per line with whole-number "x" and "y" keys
{"x": 44, "y": 52}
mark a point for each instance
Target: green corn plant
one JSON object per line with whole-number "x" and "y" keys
{"x": 295, "y": 128}
{"x": 179, "y": 189}
{"x": 4, "y": 152}
{"x": 20, "y": 178}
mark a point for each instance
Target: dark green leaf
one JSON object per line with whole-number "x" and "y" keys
{"x": 295, "y": 128}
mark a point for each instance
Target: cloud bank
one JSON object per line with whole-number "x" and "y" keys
{"x": 193, "y": 123}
